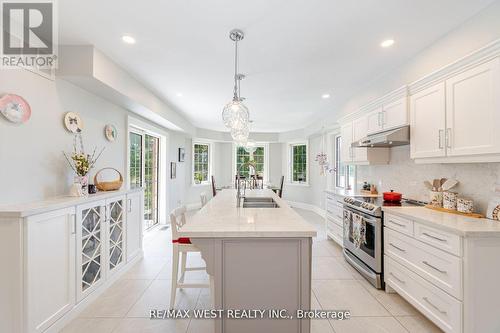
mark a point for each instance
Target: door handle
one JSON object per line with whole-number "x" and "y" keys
{"x": 73, "y": 224}
{"x": 433, "y": 267}
{"x": 434, "y": 306}
{"x": 129, "y": 204}
{"x": 448, "y": 138}
{"x": 394, "y": 276}
{"x": 434, "y": 237}
{"x": 397, "y": 247}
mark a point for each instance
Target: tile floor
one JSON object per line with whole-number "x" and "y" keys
{"x": 125, "y": 306}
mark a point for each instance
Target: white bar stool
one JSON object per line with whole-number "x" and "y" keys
{"x": 204, "y": 200}
{"x": 181, "y": 245}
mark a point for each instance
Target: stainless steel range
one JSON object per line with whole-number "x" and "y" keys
{"x": 363, "y": 235}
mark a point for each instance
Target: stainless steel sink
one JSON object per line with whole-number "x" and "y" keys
{"x": 259, "y": 202}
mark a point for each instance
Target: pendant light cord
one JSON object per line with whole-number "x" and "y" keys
{"x": 236, "y": 90}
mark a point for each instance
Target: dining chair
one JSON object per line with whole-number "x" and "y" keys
{"x": 214, "y": 190}
{"x": 181, "y": 246}
{"x": 279, "y": 191}
{"x": 203, "y": 198}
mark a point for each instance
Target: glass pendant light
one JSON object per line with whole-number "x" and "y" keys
{"x": 235, "y": 114}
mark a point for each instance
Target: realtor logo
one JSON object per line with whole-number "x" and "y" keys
{"x": 28, "y": 34}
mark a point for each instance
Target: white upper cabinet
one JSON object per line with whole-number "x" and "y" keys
{"x": 456, "y": 119}
{"x": 359, "y": 131}
{"x": 473, "y": 111}
{"x": 395, "y": 114}
{"x": 345, "y": 149}
{"x": 391, "y": 115}
{"x": 427, "y": 122}
{"x": 374, "y": 121}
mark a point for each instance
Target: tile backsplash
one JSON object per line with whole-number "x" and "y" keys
{"x": 477, "y": 180}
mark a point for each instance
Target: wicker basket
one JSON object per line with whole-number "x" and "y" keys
{"x": 108, "y": 186}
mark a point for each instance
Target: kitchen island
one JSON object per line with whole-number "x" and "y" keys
{"x": 257, "y": 258}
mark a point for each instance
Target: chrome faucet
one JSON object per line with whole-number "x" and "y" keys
{"x": 238, "y": 185}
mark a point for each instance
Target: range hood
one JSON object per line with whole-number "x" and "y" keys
{"x": 395, "y": 137}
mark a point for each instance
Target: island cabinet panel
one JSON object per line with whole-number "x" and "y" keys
{"x": 259, "y": 273}
{"x": 50, "y": 267}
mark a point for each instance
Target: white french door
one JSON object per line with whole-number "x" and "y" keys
{"x": 144, "y": 149}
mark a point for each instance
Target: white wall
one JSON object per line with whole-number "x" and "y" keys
{"x": 313, "y": 193}
{"x": 32, "y": 166}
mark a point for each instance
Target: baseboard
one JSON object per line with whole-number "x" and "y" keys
{"x": 306, "y": 206}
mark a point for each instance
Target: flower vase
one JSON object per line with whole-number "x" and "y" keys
{"x": 80, "y": 187}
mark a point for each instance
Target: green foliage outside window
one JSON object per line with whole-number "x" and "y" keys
{"x": 242, "y": 157}
{"x": 299, "y": 163}
{"x": 200, "y": 163}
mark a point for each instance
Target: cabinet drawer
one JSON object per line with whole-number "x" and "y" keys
{"x": 399, "y": 224}
{"x": 442, "y": 309}
{"x": 441, "y": 239}
{"x": 335, "y": 232}
{"x": 440, "y": 268}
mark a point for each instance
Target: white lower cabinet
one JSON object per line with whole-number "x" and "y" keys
{"x": 334, "y": 218}
{"x": 135, "y": 212}
{"x": 451, "y": 278}
{"x": 90, "y": 238}
{"x": 444, "y": 310}
{"x": 58, "y": 255}
{"x": 50, "y": 268}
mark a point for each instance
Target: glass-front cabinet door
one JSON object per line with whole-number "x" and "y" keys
{"x": 90, "y": 239}
{"x": 116, "y": 232}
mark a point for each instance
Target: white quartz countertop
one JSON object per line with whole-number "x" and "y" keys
{"x": 220, "y": 218}
{"x": 457, "y": 224}
{"x": 41, "y": 206}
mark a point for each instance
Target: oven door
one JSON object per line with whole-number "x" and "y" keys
{"x": 370, "y": 251}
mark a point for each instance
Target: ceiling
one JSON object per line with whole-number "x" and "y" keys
{"x": 292, "y": 54}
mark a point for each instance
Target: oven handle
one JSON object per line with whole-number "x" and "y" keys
{"x": 370, "y": 220}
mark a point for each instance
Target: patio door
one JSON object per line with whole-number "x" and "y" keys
{"x": 144, "y": 171}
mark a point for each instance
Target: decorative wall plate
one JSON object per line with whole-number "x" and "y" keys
{"x": 73, "y": 122}
{"x": 15, "y": 108}
{"x": 110, "y": 132}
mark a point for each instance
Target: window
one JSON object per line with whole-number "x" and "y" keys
{"x": 242, "y": 157}
{"x": 298, "y": 163}
{"x": 201, "y": 163}
{"x": 345, "y": 175}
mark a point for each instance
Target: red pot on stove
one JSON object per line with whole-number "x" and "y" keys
{"x": 392, "y": 196}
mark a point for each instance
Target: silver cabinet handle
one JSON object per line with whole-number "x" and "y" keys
{"x": 398, "y": 224}
{"x": 129, "y": 204}
{"x": 397, "y": 247}
{"x": 435, "y": 307}
{"x": 340, "y": 217}
{"x": 448, "y": 138}
{"x": 434, "y": 237}
{"x": 441, "y": 131}
{"x": 433, "y": 267}
{"x": 394, "y": 276}
{"x": 73, "y": 224}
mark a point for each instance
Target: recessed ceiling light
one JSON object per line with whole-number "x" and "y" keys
{"x": 387, "y": 43}
{"x": 325, "y": 96}
{"x": 179, "y": 95}
{"x": 128, "y": 39}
